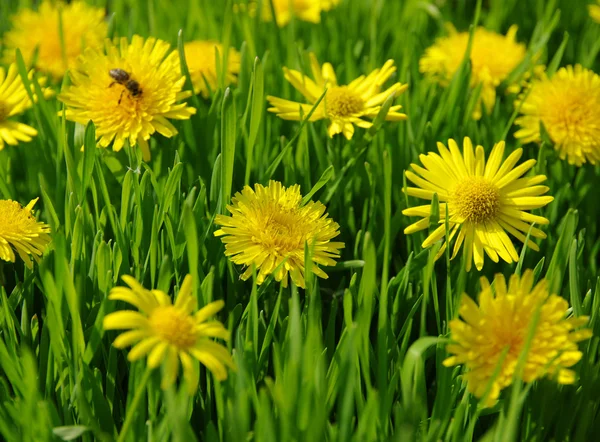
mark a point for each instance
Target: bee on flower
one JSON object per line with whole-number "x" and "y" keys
{"x": 201, "y": 58}
{"x": 492, "y": 334}
{"x": 344, "y": 106}
{"x": 481, "y": 200}
{"x": 20, "y": 232}
{"x": 129, "y": 91}
{"x": 268, "y": 229}
{"x": 170, "y": 332}
{"x": 58, "y": 31}
{"x": 493, "y": 57}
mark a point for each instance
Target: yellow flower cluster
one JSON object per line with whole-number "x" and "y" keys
{"x": 132, "y": 89}
{"x": 20, "y": 232}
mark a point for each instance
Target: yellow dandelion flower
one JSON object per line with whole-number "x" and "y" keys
{"x": 82, "y": 25}
{"x": 493, "y": 334}
{"x": 482, "y": 201}
{"x": 493, "y": 57}
{"x": 595, "y": 11}
{"x": 130, "y": 91}
{"x": 200, "y": 56}
{"x": 21, "y": 232}
{"x": 268, "y": 228}
{"x": 569, "y": 106}
{"x": 344, "y": 106}
{"x": 14, "y": 100}
{"x": 305, "y": 10}
{"x": 169, "y": 332}
{"x": 328, "y": 5}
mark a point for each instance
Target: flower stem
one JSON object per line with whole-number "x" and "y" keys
{"x": 131, "y": 409}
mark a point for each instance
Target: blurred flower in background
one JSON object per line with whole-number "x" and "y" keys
{"x": 595, "y": 11}
{"x": 493, "y": 57}
{"x": 304, "y": 10}
{"x": 56, "y": 33}
{"x": 327, "y": 5}
{"x": 201, "y": 57}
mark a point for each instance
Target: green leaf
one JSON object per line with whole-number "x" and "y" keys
{"x": 228, "y": 135}
{"x": 89, "y": 159}
{"x": 324, "y": 179}
{"x": 562, "y": 251}
{"x": 258, "y": 103}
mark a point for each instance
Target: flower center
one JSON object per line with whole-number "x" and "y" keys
{"x": 14, "y": 218}
{"x": 283, "y": 232}
{"x": 513, "y": 339}
{"x": 174, "y": 326}
{"x": 341, "y": 102}
{"x": 476, "y": 199}
{"x": 510, "y": 328}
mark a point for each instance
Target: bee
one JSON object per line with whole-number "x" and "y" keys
{"x": 121, "y": 77}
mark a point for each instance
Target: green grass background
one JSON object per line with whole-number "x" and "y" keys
{"x": 355, "y": 357}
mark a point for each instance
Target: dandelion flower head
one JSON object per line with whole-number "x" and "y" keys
{"x": 594, "y": 11}
{"x": 171, "y": 332}
{"x": 130, "y": 91}
{"x": 14, "y": 100}
{"x": 345, "y": 106}
{"x": 201, "y": 58}
{"x": 493, "y": 57}
{"x": 81, "y": 26}
{"x": 568, "y": 104}
{"x": 268, "y": 228}
{"x": 20, "y": 232}
{"x": 305, "y": 10}
{"x": 482, "y": 201}
{"x": 327, "y": 5}
{"x": 492, "y": 334}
